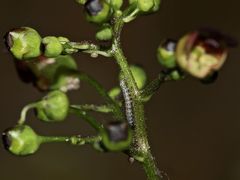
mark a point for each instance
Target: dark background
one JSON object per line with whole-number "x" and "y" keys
{"x": 193, "y": 128}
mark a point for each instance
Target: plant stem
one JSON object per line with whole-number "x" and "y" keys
{"x": 113, "y": 104}
{"x": 85, "y": 47}
{"x": 24, "y": 111}
{"x": 82, "y": 114}
{"x": 140, "y": 149}
{"x": 74, "y": 140}
{"x": 93, "y": 107}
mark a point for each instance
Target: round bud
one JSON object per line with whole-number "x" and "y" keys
{"x": 146, "y": 6}
{"x": 66, "y": 81}
{"x": 21, "y": 140}
{"x": 114, "y": 92}
{"x": 117, "y": 136}
{"x": 98, "y": 11}
{"x": 52, "y": 46}
{"x": 115, "y": 4}
{"x": 104, "y": 34}
{"x": 139, "y": 75}
{"x": 53, "y": 107}
{"x": 23, "y": 43}
{"x": 201, "y": 53}
{"x": 166, "y": 54}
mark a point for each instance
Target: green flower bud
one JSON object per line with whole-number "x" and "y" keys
{"x": 176, "y": 75}
{"x": 146, "y": 6}
{"x": 114, "y": 92}
{"x": 104, "y": 34}
{"x": 52, "y": 46}
{"x": 117, "y": 136}
{"x": 21, "y": 140}
{"x": 23, "y": 43}
{"x": 98, "y": 11}
{"x": 166, "y": 54}
{"x": 201, "y": 53}
{"x": 115, "y": 4}
{"x": 53, "y": 107}
{"x": 139, "y": 75}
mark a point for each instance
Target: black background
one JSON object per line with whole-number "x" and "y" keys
{"x": 193, "y": 128}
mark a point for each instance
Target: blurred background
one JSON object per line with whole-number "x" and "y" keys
{"x": 194, "y": 129}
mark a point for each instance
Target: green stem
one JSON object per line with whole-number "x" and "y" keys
{"x": 85, "y": 47}
{"x": 140, "y": 149}
{"x": 110, "y": 102}
{"x": 90, "y": 120}
{"x": 93, "y": 107}
{"x": 74, "y": 140}
{"x": 24, "y": 111}
{"x": 154, "y": 85}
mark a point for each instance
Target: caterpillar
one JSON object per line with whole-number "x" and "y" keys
{"x": 128, "y": 103}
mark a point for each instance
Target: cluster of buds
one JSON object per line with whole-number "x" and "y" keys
{"x": 39, "y": 60}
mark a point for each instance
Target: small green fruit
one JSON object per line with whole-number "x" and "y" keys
{"x": 98, "y": 11}
{"x": 166, "y": 54}
{"x": 53, "y": 107}
{"x": 52, "y": 46}
{"x": 21, "y": 140}
{"x": 24, "y": 43}
{"x": 117, "y": 136}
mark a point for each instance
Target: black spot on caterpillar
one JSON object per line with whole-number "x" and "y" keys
{"x": 128, "y": 103}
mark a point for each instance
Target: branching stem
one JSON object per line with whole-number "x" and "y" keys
{"x": 140, "y": 149}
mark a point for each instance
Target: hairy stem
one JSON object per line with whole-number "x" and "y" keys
{"x": 90, "y": 120}
{"x": 74, "y": 140}
{"x": 93, "y": 107}
{"x": 140, "y": 149}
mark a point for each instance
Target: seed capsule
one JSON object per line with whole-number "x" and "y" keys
{"x": 21, "y": 140}
{"x": 53, "y": 107}
{"x": 117, "y": 136}
{"x": 201, "y": 53}
{"x": 24, "y": 43}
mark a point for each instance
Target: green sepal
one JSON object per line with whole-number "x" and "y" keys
{"x": 53, "y": 107}
{"x": 24, "y": 43}
{"x": 116, "y": 136}
{"x": 21, "y": 140}
{"x": 52, "y": 46}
